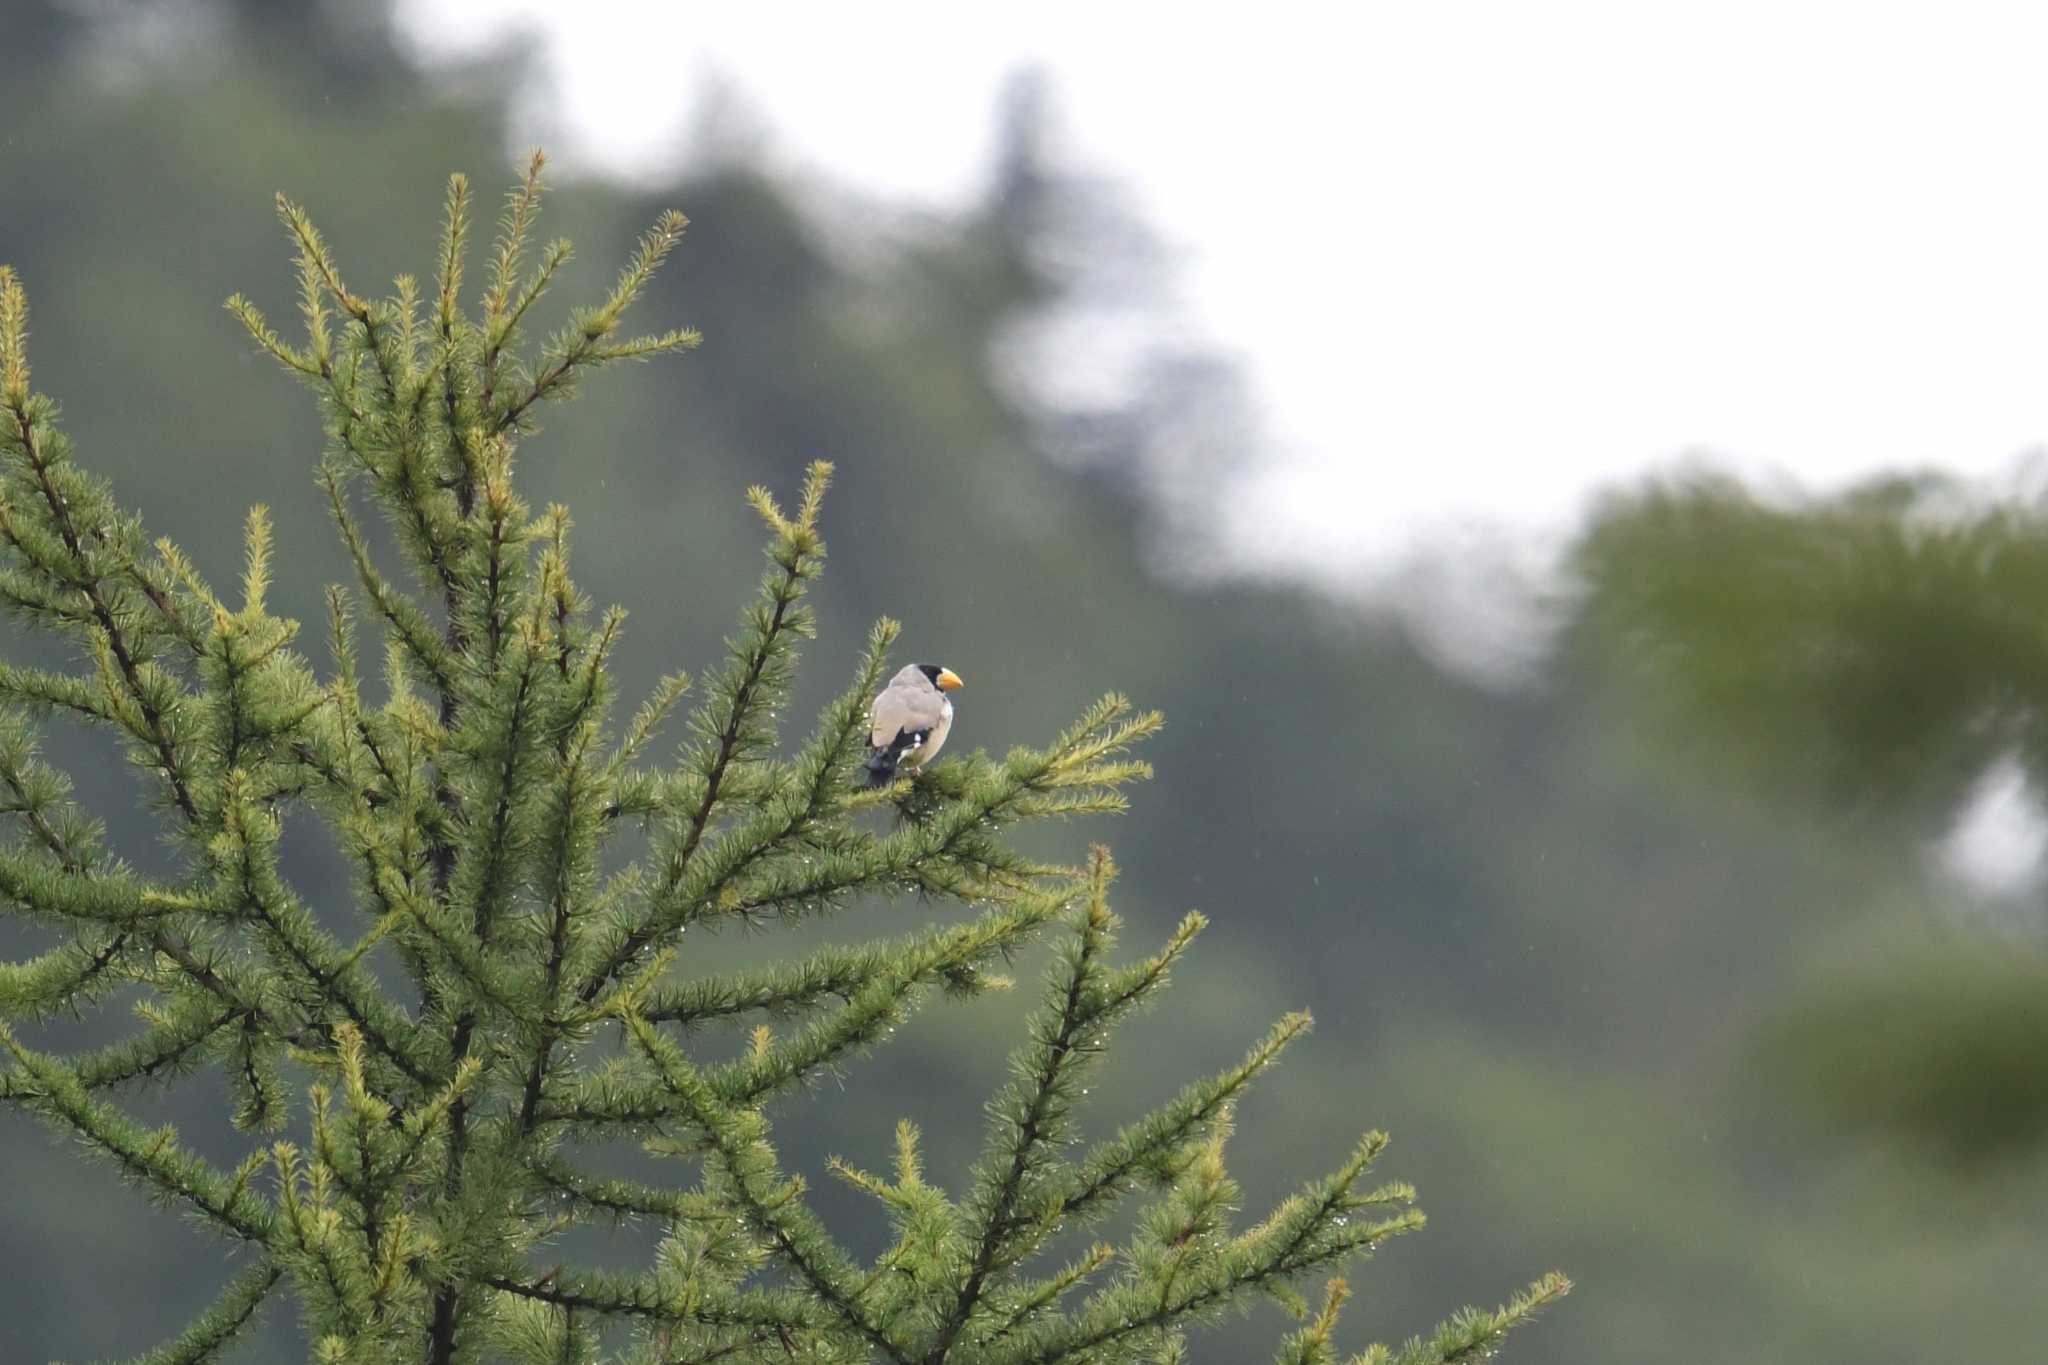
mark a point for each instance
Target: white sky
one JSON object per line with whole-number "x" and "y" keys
{"x": 1480, "y": 258}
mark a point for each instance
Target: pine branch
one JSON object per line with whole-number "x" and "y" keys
{"x": 215, "y": 1330}
{"x": 299, "y": 947}
{"x": 622, "y": 1199}
{"x": 476, "y": 882}
{"x": 409, "y": 623}
{"x": 582, "y": 344}
{"x": 1154, "y": 1147}
{"x": 754, "y": 684}
{"x": 764, "y": 1315}
{"x": 158, "y": 1051}
{"x": 503, "y": 739}
{"x": 1311, "y": 1345}
{"x": 37, "y": 887}
{"x": 56, "y": 691}
{"x": 178, "y": 614}
{"x": 1111, "y": 1320}
{"x": 260, "y": 331}
{"x": 1032, "y": 1118}
{"x": 952, "y": 956}
{"x": 605, "y": 1099}
{"x": 310, "y": 1244}
{"x": 487, "y": 982}
{"x": 14, "y": 370}
{"x": 1473, "y": 1334}
{"x": 394, "y": 418}
{"x": 571, "y": 866}
{"x": 459, "y": 415}
{"x": 772, "y": 1206}
{"x": 501, "y": 319}
{"x": 1028, "y": 1303}
{"x": 66, "y": 977}
{"x": 25, "y": 419}
{"x": 151, "y": 1159}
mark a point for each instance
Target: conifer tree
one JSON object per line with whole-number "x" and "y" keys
{"x": 440, "y": 1128}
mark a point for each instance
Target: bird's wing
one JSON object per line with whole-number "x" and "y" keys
{"x": 904, "y": 710}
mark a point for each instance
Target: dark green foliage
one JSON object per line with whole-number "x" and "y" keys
{"x": 1872, "y": 651}
{"x": 480, "y": 797}
{"x": 1946, "y": 1047}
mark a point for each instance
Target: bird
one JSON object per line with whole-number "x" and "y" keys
{"x": 908, "y": 721}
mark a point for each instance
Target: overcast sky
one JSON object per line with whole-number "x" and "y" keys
{"x": 1551, "y": 245}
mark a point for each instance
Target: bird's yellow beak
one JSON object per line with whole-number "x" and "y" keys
{"x": 948, "y": 680}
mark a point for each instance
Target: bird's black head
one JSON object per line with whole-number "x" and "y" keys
{"x": 945, "y": 679}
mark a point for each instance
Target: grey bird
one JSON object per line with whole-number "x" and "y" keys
{"x": 909, "y": 720}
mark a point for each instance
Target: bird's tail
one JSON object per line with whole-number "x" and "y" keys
{"x": 881, "y": 768}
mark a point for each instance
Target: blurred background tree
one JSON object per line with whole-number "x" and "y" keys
{"x": 1541, "y": 944}
{"x": 1876, "y": 657}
